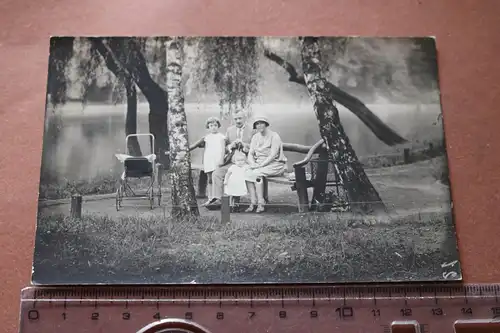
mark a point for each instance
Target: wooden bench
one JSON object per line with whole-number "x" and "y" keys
{"x": 315, "y": 171}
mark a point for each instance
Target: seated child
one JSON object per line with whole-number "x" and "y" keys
{"x": 235, "y": 180}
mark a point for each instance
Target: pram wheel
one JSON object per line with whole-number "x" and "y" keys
{"x": 159, "y": 197}
{"x": 159, "y": 191}
{"x": 152, "y": 197}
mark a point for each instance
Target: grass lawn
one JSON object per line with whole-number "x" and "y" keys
{"x": 144, "y": 246}
{"x": 66, "y": 188}
{"x": 300, "y": 248}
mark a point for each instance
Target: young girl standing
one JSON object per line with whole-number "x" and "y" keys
{"x": 213, "y": 157}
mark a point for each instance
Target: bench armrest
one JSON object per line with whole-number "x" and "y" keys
{"x": 318, "y": 146}
{"x": 296, "y": 148}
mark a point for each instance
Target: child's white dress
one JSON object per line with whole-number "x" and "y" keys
{"x": 215, "y": 146}
{"x": 236, "y": 185}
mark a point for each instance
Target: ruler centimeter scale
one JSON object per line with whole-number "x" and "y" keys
{"x": 442, "y": 308}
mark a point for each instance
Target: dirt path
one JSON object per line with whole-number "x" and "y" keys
{"x": 281, "y": 196}
{"x": 403, "y": 196}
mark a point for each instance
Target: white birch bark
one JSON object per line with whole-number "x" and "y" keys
{"x": 183, "y": 194}
{"x": 363, "y": 197}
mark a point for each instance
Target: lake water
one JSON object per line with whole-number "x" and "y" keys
{"x": 89, "y": 138}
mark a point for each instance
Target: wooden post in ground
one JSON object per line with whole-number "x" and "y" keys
{"x": 301, "y": 186}
{"x": 202, "y": 185}
{"x": 225, "y": 210}
{"x": 76, "y": 206}
{"x": 432, "y": 152}
{"x": 320, "y": 180}
{"x": 406, "y": 155}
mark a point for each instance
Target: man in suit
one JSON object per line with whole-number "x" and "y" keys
{"x": 238, "y": 137}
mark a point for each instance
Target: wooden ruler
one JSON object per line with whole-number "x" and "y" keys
{"x": 437, "y": 308}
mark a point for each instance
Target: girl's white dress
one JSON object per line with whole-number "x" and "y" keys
{"x": 215, "y": 145}
{"x": 236, "y": 185}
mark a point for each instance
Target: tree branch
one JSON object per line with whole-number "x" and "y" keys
{"x": 294, "y": 76}
{"x": 357, "y": 107}
{"x": 139, "y": 70}
{"x": 110, "y": 58}
{"x": 124, "y": 66}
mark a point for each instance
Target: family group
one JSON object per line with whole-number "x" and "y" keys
{"x": 236, "y": 161}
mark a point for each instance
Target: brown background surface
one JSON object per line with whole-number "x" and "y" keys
{"x": 468, "y": 48}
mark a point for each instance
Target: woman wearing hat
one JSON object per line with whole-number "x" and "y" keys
{"x": 266, "y": 159}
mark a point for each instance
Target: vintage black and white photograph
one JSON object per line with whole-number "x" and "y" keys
{"x": 195, "y": 160}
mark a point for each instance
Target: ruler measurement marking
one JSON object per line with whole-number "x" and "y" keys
{"x": 35, "y": 299}
{"x": 63, "y": 298}
{"x": 496, "y": 296}
{"x": 193, "y": 300}
{"x": 435, "y": 297}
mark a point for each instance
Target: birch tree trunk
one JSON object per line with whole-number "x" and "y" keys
{"x": 362, "y": 195}
{"x": 183, "y": 194}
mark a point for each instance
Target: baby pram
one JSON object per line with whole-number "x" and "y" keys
{"x": 138, "y": 167}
